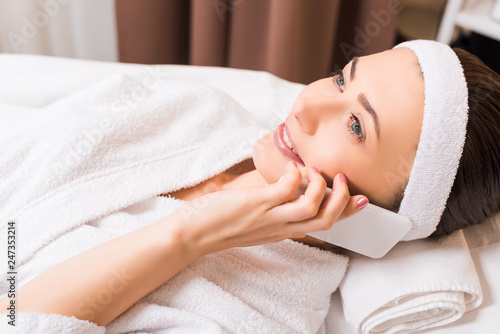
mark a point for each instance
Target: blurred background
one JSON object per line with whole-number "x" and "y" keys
{"x": 298, "y": 40}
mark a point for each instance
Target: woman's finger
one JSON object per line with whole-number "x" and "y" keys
{"x": 317, "y": 186}
{"x": 283, "y": 190}
{"x": 304, "y": 206}
{"x": 335, "y": 203}
{"x": 356, "y": 204}
{"x": 330, "y": 211}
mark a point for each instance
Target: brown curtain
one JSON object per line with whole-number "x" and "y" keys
{"x": 299, "y": 40}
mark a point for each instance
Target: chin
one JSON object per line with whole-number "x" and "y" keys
{"x": 268, "y": 161}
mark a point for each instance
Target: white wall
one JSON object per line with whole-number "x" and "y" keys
{"x": 66, "y": 28}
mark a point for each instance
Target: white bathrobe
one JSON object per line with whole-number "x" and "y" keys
{"x": 88, "y": 168}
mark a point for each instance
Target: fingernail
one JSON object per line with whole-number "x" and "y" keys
{"x": 343, "y": 178}
{"x": 281, "y": 178}
{"x": 315, "y": 169}
{"x": 362, "y": 203}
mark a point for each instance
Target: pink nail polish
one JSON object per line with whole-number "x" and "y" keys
{"x": 315, "y": 169}
{"x": 362, "y": 203}
{"x": 343, "y": 178}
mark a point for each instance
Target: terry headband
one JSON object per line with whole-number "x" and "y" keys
{"x": 442, "y": 136}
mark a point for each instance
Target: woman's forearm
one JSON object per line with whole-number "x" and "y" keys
{"x": 103, "y": 282}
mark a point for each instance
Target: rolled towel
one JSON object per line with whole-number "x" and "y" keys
{"x": 418, "y": 285}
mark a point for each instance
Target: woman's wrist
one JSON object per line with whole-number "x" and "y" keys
{"x": 187, "y": 230}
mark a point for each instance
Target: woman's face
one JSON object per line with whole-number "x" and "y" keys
{"x": 364, "y": 122}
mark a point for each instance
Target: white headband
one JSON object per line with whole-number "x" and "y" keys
{"x": 442, "y": 137}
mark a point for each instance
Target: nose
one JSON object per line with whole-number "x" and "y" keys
{"x": 312, "y": 112}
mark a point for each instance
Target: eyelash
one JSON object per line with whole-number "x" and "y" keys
{"x": 360, "y": 137}
{"x": 338, "y": 73}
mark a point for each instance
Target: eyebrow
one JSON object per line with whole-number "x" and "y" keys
{"x": 353, "y": 68}
{"x": 364, "y": 102}
{"x": 362, "y": 98}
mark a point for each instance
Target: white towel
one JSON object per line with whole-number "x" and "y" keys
{"x": 88, "y": 168}
{"x": 418, "y": 285}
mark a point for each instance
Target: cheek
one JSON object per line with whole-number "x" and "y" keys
{"x": 268, "y": 161}
{"x": 330, "y": 153}
{"x": 331, "y": 164}
{"x": 370, "y": 174}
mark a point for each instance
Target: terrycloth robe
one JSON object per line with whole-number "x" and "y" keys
{"x": 89, "y": 167}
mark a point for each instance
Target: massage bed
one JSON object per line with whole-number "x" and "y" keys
{"x": 28, "y": 81}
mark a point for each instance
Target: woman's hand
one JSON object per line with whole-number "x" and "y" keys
{"x": 258, "y": 215}
{"x": 146, "y": 258}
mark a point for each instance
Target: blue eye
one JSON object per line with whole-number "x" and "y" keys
{"x": 338, "y": 77}
{"x": 340, "y": 81}
{"x": 355, "y": 127}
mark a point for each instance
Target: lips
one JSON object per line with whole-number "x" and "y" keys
{"x": 284, "y": 142}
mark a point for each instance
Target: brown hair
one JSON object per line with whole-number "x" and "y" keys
{"x": 475, "y": 194}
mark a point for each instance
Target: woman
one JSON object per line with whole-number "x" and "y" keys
{"x": 365, "y": 118}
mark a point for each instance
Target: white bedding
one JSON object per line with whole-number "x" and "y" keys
{"x": 265, "y": 96}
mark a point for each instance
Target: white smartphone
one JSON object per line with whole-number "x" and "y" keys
{"x": 372, "y": 232}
